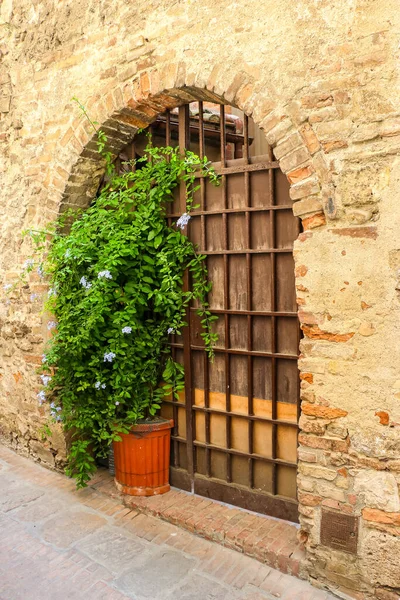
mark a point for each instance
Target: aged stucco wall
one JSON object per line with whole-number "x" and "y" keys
{"x": 322, "y": 79}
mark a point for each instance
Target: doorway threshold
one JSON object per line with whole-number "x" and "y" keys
{"x": 269, "y": 540}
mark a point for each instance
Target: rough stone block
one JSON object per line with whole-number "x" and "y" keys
{"x": 294, "y": 160}
{"x": 289, "y": 144}
{"x": 307, "y": 206}
{"x": 377, "y": 490}
{"x": 380, "y": 558}
{"x": 40, "y": 451}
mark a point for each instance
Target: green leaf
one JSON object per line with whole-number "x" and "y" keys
{"x": 157, "y": 241}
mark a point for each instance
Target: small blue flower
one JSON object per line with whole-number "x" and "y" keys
{"x": 106, "y": 274}
{"x": 54, "y": 411}
{"x": 7, "y": 286}
{"x": 52, "y": 325}
{"x": 67, "y": 253}
{"x": 41, "y": 396}
{"x": 44, "y": 358}
{"x": 170, "y": 330}
{"x": 45, "y": 379}
{"x": 40, "y": 271}
{"x": 52, "y": 292}
{"x": 183, "y": 220}
{"x": 126, "y": 330}
{"x": 28, "y": 264}
{"x": 108, "y": 356}
{"x": 85, "y": 283}
{"x": 99, "y": 385}
{"x": 33, "y": 297}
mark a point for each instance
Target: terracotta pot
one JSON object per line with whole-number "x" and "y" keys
{"x": 142, "y": 459}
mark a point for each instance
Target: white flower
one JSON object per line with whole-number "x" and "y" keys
{"x": 44, "y": 358}
{"x": 108, "y": 356}
{"x": 126, "y": 330}
{"x": 117, "y": 403}
{"x": 67, "y": 253}
{"x": 170, "y": 330}
{"x": 33, "y": 297}
{"x": 7, "y": 286}
{"x": 183, "y": 220}
{"x": 52, "y": 325}
{"x": 45, "y": 379}
{"x": 52, "y": 292}
{"x": 41, "y": 396}
{"x": 106, "y": 274}
{"x": 85, "y": 283}
{"x": 97, "y": 385}
{"x": 28, "y": 264}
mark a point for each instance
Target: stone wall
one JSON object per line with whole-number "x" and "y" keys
{"x": 321, "y": 79}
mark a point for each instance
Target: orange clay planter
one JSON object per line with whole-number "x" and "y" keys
{"x": 142, "y": 459}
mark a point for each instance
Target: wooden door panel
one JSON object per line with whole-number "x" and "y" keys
{"x": 235, "y": 434}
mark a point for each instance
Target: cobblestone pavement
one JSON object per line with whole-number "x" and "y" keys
{"x": 59, "y": 544}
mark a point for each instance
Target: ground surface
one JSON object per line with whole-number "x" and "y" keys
{"x": 58, "y": 544}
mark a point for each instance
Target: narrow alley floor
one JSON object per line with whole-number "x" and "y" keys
{"x": 60, "y": 544}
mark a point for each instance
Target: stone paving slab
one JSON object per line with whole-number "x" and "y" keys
{"x": 60, "y": 544}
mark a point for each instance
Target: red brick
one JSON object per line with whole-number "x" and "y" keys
{"x": 307, "y": 377}
{"x": 33, "y": 359}
{"x": 329, "y": 146}
{"x": 310, "y": 138}
{"x": 325, "y": 412}
{"x": 315, "y": 333}
{"x": 309, "y": 499}
{"x": 379, "y": 516}
{"x": 357, "y": 232}
{"x": 314, "y": 221}
{"x": 324, "y": 443}
{"x": 317, "y": 100}
{"x": 299, "y": 174}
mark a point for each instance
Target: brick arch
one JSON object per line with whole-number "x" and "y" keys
{"x": 136, "y": 104}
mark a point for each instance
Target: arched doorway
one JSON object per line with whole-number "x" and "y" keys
{"x": 235, "y": 435}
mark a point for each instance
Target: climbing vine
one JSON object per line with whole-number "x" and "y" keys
{"x": 116, "y": 293}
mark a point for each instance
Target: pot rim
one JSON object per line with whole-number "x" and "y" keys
{"x": 158, "y": 425}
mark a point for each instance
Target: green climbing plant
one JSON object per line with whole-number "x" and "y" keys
{"x": 116, "y": 277}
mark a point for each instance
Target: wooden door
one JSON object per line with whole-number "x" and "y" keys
{"x": 235, "y": 435}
